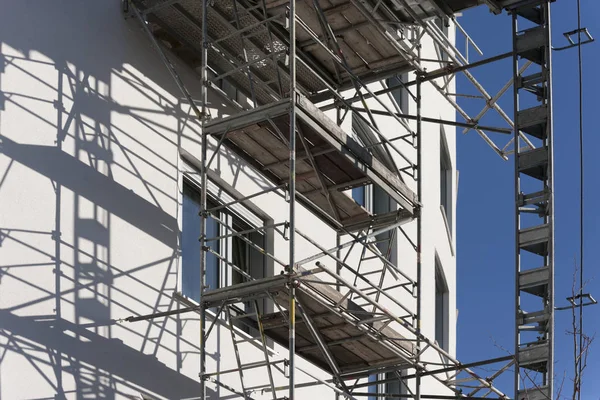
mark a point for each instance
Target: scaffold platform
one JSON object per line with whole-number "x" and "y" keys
{"x": 364, "y": 42}
{"x": 331, "y": 158}
{"x": 358, "y": 337}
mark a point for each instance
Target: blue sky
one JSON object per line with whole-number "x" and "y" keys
{"x": 485, "y": 199}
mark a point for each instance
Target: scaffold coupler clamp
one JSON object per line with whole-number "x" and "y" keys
{"x": 203, "y": 376}
{"x": 203, "y": 116}
{"x": 286, "y": 227}
{"x": 293, "y": 281}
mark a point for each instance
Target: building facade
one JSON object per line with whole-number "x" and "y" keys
{"x": 100, "y": 192}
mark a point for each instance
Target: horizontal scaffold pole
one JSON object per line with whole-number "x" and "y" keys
{"x": 161, "y": 314}
{"x": 459, "y": 367}
{"x": 470, "y": 125}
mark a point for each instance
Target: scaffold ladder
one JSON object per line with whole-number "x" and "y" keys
{"x": 534, "y": 325}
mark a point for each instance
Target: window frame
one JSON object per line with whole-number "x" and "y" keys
{"x": 441, "y": 289}
{"x": 446, "y": 184}
{"x": 194, "y": 187}
{"x": 219, "y": 192}
{"x": 367, "y": 196}
{"x": 444, "y": 27}
{"x": 398, "y": 96}
{"x": 394, "y": 387}
{"x": 365, "y": 191}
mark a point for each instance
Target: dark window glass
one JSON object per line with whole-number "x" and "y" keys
{"x": 442, "y": 25}
{"x": 394, "y": 386}
{"x": 190, "y": 246}
{"x": 372, "y": 389}
{"x": 399, "y": 94}
{"x": 358, "y": 194}
{"x": 445, "y": 180}
{"x": 441, "y": 308}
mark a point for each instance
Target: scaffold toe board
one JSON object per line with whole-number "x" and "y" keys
{"x": 259, "y": 136}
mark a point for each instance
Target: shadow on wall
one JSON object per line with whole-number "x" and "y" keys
{"x": 89, "y": 46}
{"x": 87, "y": 182}
{"x": 109, "y": 355}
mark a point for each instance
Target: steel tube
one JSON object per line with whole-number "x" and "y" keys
{"x": 203, "y": 198}
{"x": 445, "y": 122}
{"x": 419, "y": 144}
{"x": 292, "y": 205}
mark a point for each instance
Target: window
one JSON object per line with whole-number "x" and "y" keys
{"x": 243, "y": 254}
{"x": 446, "y": 187}
{"x": 237, "y": 247}
{"x": 373, "y": 388}
{"x": 230, "y": 91}
{"x": 443, "y": 25}
{"x": 441, "y": 307}
{"x": 386, "y": 241}
{"x": 359, "y": 195}
{"x": 399, "y": 95}
{"x": 394, "y": 386}
{"x": 190, "y": 246}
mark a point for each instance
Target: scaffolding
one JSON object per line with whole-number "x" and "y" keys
{"x": 297, "y": 62}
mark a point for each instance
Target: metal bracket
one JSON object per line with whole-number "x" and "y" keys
{"x": 581, "y": 298}
{"x": 285, "y": 235}
{"x": 570, "y": 34}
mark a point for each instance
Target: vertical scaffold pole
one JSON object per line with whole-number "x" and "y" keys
{"x": 203, "y": 200}
{"x": 292, "y": 188}
{"x": 419, "y": 229}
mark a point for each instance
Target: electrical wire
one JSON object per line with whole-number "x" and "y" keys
{"x": 581, "y": 231}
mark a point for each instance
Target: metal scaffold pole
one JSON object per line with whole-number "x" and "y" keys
{"x": 203, "y": 199}
{"x": 292, "y": 199}
{"x": 419, "y": 233}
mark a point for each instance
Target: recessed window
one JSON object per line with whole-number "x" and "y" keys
{"x": 446, "y": 181}
{"x": 441, "y": 307}
{"x": 244, "y": 254}
{"x": 399, "y": 94}
{"x": 359, "y": 195}
{"x": 393, "y": 386}
{"x": 373, "y": 388}
{"x": 443, "y": 25}
{"x": 230, "y": 90}
{"x": 386, "y": 241}
{"x": 190, "y": 246}
{"x": 236, "y": 246}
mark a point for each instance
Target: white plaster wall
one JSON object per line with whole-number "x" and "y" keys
{"x": 91, "y": 133}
